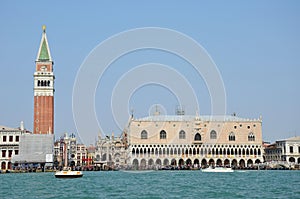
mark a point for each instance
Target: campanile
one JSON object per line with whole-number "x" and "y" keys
{"x": 43, "y": 89}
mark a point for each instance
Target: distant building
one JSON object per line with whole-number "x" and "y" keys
{"x": 81, "y": 155}
{"x": 284, "y": 150}
{"x": 110, "y": 152}
{"x": 77, "y": 155}
{"x": 90, "y": 156}
{"x": 10, "y": 144}
{"x": 43, "y": 122}
{"x": 182, "y": 140}
{"x": 65, "y": 147}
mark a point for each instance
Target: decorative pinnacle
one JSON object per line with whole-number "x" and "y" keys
{"x": 44, "y": 28}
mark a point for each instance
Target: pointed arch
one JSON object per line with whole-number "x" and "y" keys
{"x": 213, "y": 135}
{"x": 251, "y": 137}
{"x": 144, "y": 134}
{"x": 231, "y": 136}
{"x": 182, "y": 134}
{"x": 197, "y": 137}
{"x": 163, "y": 134}
{"x": 247, "y": 151}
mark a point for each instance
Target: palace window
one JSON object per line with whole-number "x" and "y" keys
{"x": 16, "y": 152}
{"x": 3, "y": 153}
{"x": 213, "y": 135}
{"x": 197, "y": 137}
{"x": 10, "y": 153}
{"x": 182, "y": 134}
{"x": 17, "y": 138}
{"x": 251, "y": 137}
{"x": 10, "y": 138}
{"x": 291, "y": 149}
{"x": 144, "y": 134}
{"x": 231, "y": 137}
{"x": 163, "y": 135}
{"x": 4, "y": 138}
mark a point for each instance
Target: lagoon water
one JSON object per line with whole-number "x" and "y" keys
{"x": 154, "y": 184}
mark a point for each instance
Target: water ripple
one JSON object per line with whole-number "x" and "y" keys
{"x": 158, "y": 184}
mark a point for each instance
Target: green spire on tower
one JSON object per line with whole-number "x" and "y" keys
{"x": 44, "y": 51}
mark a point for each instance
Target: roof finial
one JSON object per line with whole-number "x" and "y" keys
{"x": 44, "y": 28}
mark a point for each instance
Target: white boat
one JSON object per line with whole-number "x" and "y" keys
{"x": 217, "y": 169}
{"x": 68, "y": 173}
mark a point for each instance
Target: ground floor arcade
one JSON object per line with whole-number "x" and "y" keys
{"x": 150, "y": 163}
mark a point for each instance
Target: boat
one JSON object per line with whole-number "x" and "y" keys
{"x": 217, "y": 169}
{"x": 68, "y": 173}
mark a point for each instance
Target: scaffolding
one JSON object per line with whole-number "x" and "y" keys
{"x": 35, "y": 148}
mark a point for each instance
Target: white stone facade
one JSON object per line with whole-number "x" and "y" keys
{"x": 285, "y": 150}
{"x": 110, "y": 152}
{"x": 9, "y": 145}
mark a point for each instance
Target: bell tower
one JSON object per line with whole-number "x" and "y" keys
{"x": 43, "y": 89}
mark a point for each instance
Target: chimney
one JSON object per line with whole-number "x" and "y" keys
{"x": 22, "y": 126}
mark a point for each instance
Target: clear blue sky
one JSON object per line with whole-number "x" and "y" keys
{"x": 255, "y": 45}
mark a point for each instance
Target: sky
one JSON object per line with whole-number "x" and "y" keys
{"x": 255, "y": 46}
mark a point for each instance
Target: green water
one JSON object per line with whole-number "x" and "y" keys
{"x": 156, "y": 184}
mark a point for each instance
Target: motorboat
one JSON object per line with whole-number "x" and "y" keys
{"x": 68, "y": 173}
{"x": 217, "y": 169}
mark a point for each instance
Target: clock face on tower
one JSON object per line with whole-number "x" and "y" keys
{"x": 43, "y": 68}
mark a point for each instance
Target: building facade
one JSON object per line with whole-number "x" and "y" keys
{"x": 81, "y": 155}
{"x": 43, "y": 90}
{"x": 65, "y": 151}
{"x": 110, "y": 152}
{"x": 287, "y": 151}
{"x": 193, "y": 141}
{"x": 9, "y": 144}
{"x": 68, "y": 150}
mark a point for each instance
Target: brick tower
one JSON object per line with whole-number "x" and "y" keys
{"x": 43, "y": 90}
